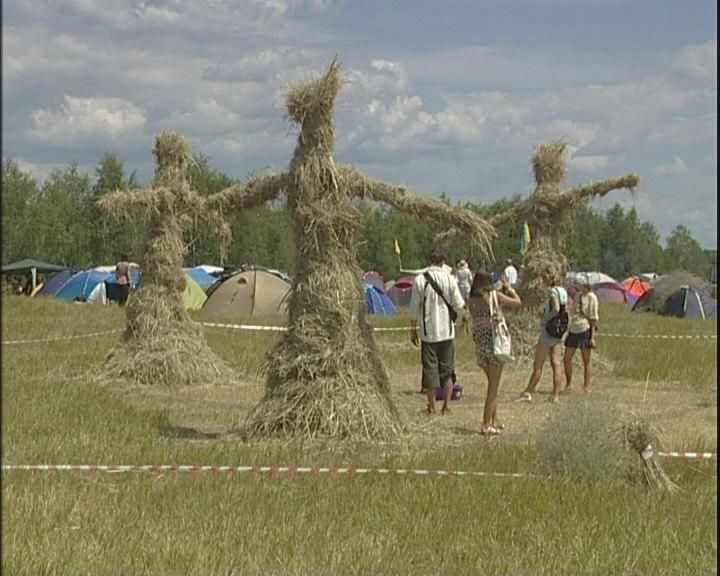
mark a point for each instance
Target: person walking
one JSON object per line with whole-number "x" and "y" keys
{"x": 548, "y": 345}
{"x": 482, "y": 297}
{"x": 464, "y": 279}
{"x": 582, "y": 331}
{"x": 122, "y": 275}
{"x": 435, "y": 303}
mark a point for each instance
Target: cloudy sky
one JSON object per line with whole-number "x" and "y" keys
{"x": 443, "y": 96}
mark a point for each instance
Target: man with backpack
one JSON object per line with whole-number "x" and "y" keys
{"x": 552, "y": 329}
{"x": 435, "y": 304}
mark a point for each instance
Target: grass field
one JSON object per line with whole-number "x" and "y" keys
{"x": 216, "y": 523}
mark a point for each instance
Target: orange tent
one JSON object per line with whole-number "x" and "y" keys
{"x": 636, "y": 286}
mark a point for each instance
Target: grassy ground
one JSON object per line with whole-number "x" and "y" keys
{"x": 185, "y": 523}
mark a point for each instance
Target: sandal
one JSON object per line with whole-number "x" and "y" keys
{"x": 499, "y": 426}
{"x": 444, "y": 410}
{"x": 489, "y": 431}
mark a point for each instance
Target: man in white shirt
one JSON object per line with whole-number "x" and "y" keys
{"x": 437, "y": 329}
{"x": 510, "y": 275}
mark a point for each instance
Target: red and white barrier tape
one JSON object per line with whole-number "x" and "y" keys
{"x": 375, "y": 329}
{"x": 689, "y": 455}
{"x": 314, "y": 470}
{"x": 59, "y": 338}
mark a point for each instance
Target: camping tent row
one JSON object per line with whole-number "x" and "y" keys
{"x": 220, "y": 296}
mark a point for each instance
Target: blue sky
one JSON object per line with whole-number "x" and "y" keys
{"x": 450, "y": 96}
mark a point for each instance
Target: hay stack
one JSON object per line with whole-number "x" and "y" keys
{"x": 325, "y": 377}
{"x": 161, "y": 345}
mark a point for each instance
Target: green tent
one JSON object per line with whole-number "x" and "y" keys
{"x": 194, "y": 296}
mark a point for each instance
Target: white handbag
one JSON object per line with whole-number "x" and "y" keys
{"x": 502, "y": 345}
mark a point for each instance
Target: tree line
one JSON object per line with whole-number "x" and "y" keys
{"x": 58, "y": 221}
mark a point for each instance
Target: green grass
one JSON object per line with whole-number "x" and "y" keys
{"x": 185, "y": 523}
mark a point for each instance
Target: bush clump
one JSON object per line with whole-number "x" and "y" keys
{"x": 584, "y": 441}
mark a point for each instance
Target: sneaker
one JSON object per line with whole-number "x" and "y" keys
{"x": 524, "y": 397}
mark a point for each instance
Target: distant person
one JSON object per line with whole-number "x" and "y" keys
{"x": 434, "y": 302}
{"x": 481, "y": 294}
{"x": 122, "y": 275}
{"x": 582, "y": 331}
{"x": 509, "y": 275}
{"x": 464, "y": 279}
{"x": 548, "y": 345}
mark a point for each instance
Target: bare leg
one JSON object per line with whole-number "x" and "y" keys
{"x": 493, "y": 374}
{"x": 447, "y": 388}
{"x": 586, "y": 358}
{"x": 430, "y": 400}
{"x": 567, "y": 361}
{"x": 555, "y": 363}
{"x": 541, "y": 352}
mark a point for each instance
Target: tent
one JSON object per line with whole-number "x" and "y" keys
{"x": 81, "y": 286}
{"x": 251, "y": 292}
{"x": 193, "y": 296}
{"x": 401, "y": 290}
{"x": 55, "y": 282}
{"x": 374, "y": 278}
{"x": 636, "y": 287}
{"x": 32, "y": 267}
{"x": 665, "y": 286}
{"x": 690, "y": 302}
{"x": 377, "y": 301}
{"x": 606, "y": 292}
{"x": 574, "y": 278}
{"x": 200, "y": 275}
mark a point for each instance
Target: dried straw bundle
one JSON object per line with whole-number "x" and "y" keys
{"x": 549, "y": 211}
{"x": 640, "y": 438}
{"x": 325, "y": 377}
{"x": 161, "y": 345}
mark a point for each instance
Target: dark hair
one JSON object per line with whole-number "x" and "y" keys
{"x": 123, "y": 257}
{"x": 482, "y": 280}
{"x": 436, "y": 257}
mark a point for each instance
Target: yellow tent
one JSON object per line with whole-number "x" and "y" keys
{"x": 193, "y": 297}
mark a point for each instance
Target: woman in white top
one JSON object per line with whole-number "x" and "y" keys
{"x": 581, "y": 332}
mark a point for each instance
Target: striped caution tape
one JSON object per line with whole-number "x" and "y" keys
{"x": 59, "y": 338}
{"x": 292, "y": 470}
{"x": 663, "y": 336}
{"x": 689, "y": 455}
{"x": 244, "y": 326}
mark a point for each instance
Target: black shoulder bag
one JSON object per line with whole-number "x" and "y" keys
{"x": 451, "y": 310}
{"x": 558, "y": 324}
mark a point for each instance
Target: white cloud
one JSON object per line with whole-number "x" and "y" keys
{"x": 699, "y": 61}
{"x": 676, "y": 167}
{"x": 80, "y": 117}
{"x": 588, "y": 163}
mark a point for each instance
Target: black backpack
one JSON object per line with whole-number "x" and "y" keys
{"x": 558, "y": 324}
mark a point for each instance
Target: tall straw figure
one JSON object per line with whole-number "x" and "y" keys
{"x": 161, "y": 344}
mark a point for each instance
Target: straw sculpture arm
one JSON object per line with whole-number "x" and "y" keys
{"x": 254, "y": 192}
{"x": 475, "y": 229}
{"x": 546, "y": 205}
{"x": 118, "y": 204}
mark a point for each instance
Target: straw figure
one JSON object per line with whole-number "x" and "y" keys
{"x": 326, "y": 376}
{"x": 549, "y": 211}
{"x": 161, "y": 345}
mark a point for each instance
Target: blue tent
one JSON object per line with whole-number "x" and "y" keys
{"x": 200, "y": 276}
{"x": 81, "y": 284}
{"x": 377, "y": 301}
{"x": 55, "y": 282}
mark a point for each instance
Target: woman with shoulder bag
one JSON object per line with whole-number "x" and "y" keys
{"x": 581, "y": 332}
{"x": 483, "y": 302}
{"x": 547, "y": 344}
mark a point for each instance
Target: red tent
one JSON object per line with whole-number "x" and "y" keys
{"x": 636, "y": 286}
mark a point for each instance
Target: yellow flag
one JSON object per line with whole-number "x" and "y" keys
{"x": 397, "y": 247}
{"x": 525, "y": 238}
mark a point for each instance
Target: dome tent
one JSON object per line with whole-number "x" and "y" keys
{"x": 247, "y": 293}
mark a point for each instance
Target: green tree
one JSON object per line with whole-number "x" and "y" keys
{"x": 19, "y": 189}
{"x": 685, "y": 253}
